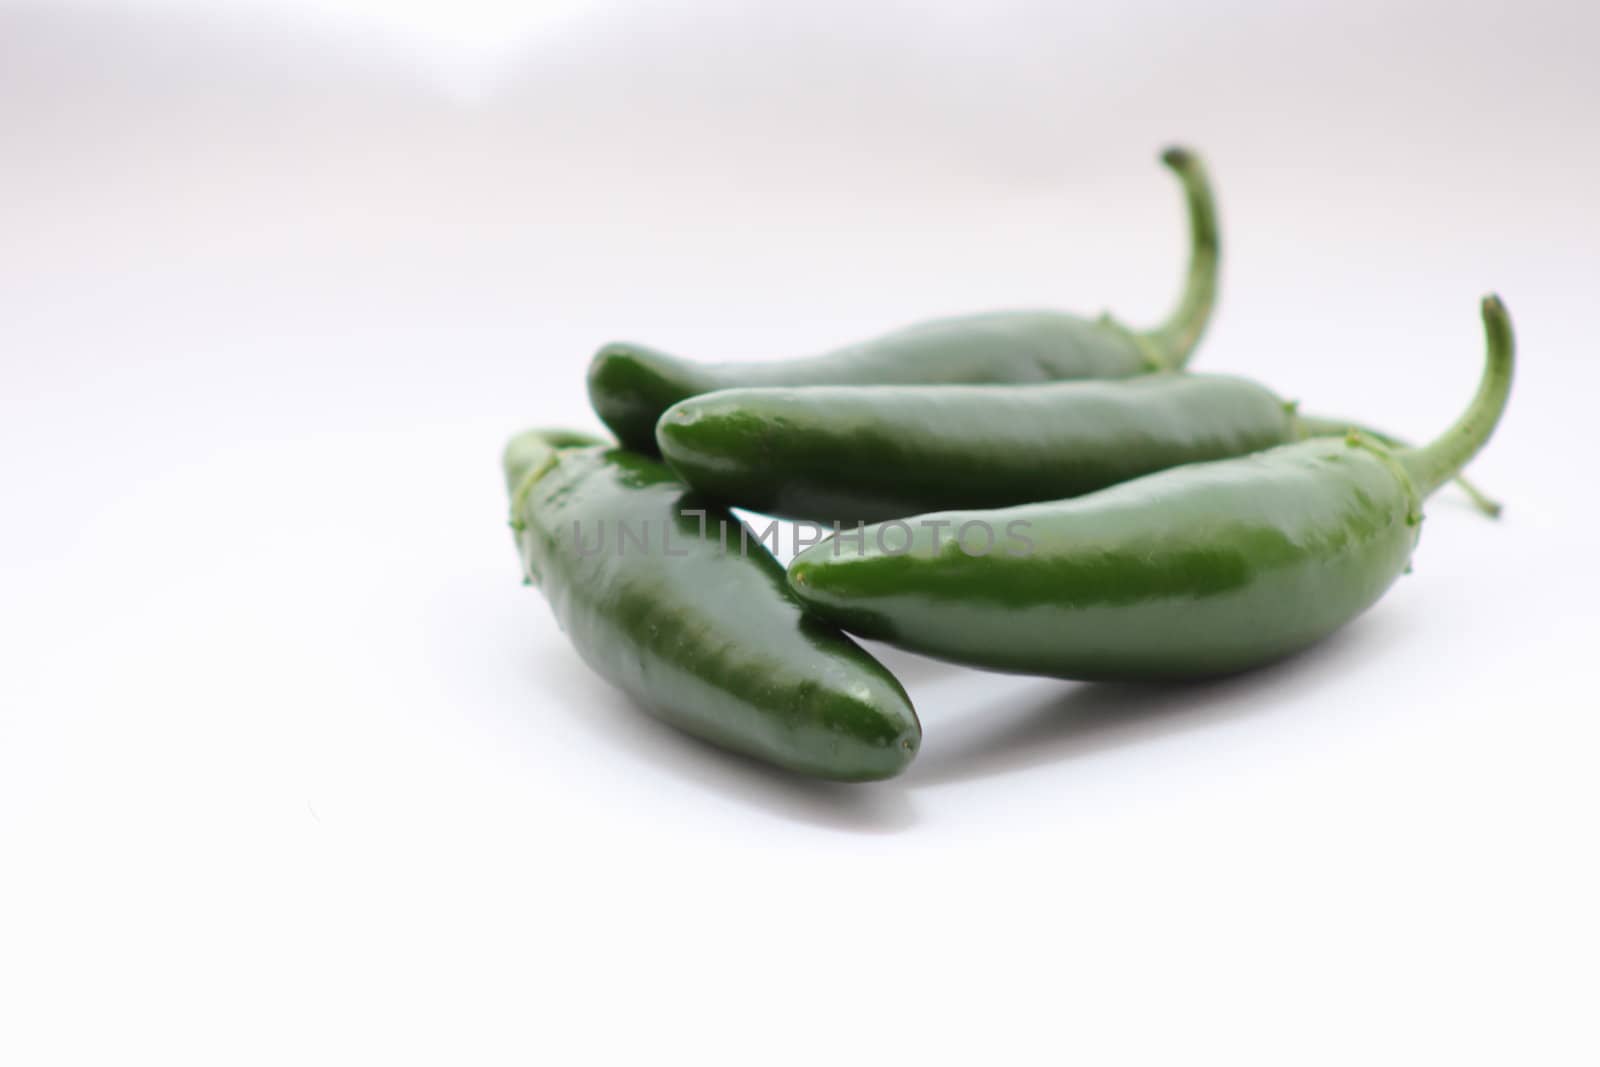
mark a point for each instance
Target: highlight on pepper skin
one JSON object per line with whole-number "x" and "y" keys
{"x": 631, "y": 385}
{"x": 1026, "y": 491}
{"x": 1200, "y": 570}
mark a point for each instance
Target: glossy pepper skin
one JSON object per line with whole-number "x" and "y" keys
{"x": 850, "y": 454}
{"x": 710, "y": 641}
{"x": 1195, "y": 571}
{"x": 631, "y": 385}
{"x": 868, "y": 453}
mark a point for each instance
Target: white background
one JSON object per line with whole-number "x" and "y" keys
{"x": 293, "y": 770}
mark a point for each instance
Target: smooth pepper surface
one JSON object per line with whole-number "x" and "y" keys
{"x": 704, "y": 636}
{"x": 867, "y": 453}
{"x": 630, "y": 385}
{"x": 1194, "y": 571}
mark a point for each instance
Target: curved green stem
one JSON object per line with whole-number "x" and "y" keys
{"x": 529, "y": 453}
{"x": 1314, "y": 426}
{"x": 527, "y": 457}
{"x": 1442, "y": 459}
{"x": 1176, "y": 338}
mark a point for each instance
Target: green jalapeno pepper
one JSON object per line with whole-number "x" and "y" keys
{"x": 851, "y": 454}
{"x": 694, "y": 622}
{"x": 631, "y": 385}
{"x": 1199, "y": 570}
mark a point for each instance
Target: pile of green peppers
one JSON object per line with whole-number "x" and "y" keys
{"x": 1024, "y": 491}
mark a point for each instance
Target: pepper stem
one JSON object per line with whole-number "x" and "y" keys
{"x": 1175, "y": 339}
{"x": 1314, "y": 426}
{"x": 533, "y": 450}
{"x": 1437, "y": 462}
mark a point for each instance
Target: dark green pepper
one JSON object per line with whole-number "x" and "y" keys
{"x": 1195, "y": 571}
{"x": 693, "y": 621}
{"x": 853, "y": 454}
{"x": 630, "y": 385}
